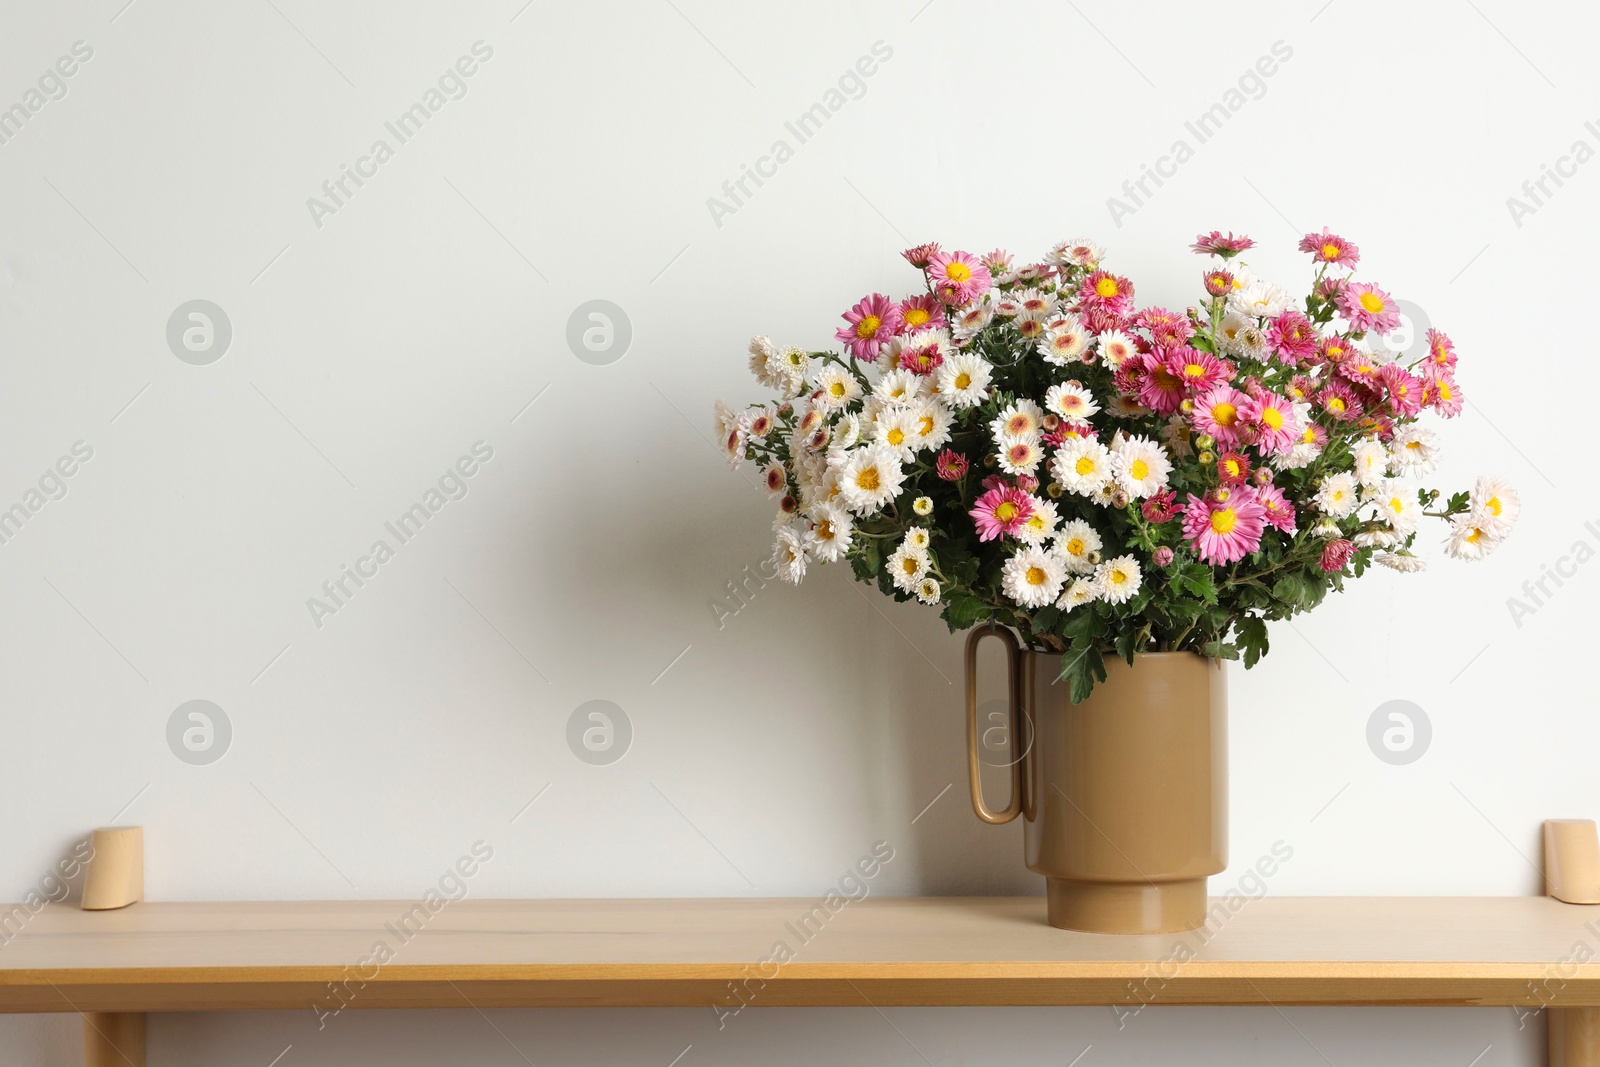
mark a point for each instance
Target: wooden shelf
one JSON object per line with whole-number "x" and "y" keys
{"x": 906, "y": 951}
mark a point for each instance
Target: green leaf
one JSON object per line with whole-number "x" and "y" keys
{"x": 965, "y": 612}
{"x": 1219, "y": 650}
{"x": 1253, "y": 638}
{"x": 1291, "y": 590}
{"x": 1045, "y": 618}
{"x": 1082, "y": 668}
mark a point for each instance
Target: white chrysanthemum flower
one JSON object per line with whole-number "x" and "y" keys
{"x": 1078, "y": 546}
{"x": 1495, "y": 505}
{"x": 1040, "y": 525}
{"x": 1023, "y": 418}
{"x": 836, "y": 387}
{"x": 1251, "y": 343}
{"x": 923, "y": 506}
{"x": 1336, "y": 495}
{"x": 769, "y": 370}
{"x": 1020, "y": 455}
{"x": 1123, "y": 407}
{"x": 932, "y": 425}
{"x": 898, "y": 387}
{"x": 1115, "y": 348}
{"x": 1404, "y": 562}
{"x": 1071, "y": 400}
{"x": 869, "y": 479}
{"x": 1117, "y": 579}
{"x": 1258, "y": 299}
{"x": 1065, "y": 341}
{"x": 1397, "y": 501}
{"x": 1178, "y": 437}
{"x": 1469, "y": 540}
{"x": 1006, "y": 306}
{"x": 796, "y": 362}
{"x": 1371, "y": 462}
{"x": 971, "y": 322}
{"x": 831, "y": 532}
{"x": 963, "y": 380}
{"x": 916, "y": 537}
{"x": 896, "y": 430}
{"x": 1078, "y": 252}
{"x": 789, "y": 555}
{"x": 775, "y": 479}
{"x": 1376, "y": 539}
{"x": 1080, "y": 592}
{"x": 1032, "y": 578}
{"x": 1082, "y": 466}
{"x": 907, "y": 567}
{"x": 928, "y": 591}
{"x": 1228, "y": 332}
{"x": 1414, "y": 451}
{"x": 846, "y": 432}
{"x": 1140, "y": 466}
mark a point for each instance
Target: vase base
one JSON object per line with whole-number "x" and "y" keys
{"x": 1127, "y": 907}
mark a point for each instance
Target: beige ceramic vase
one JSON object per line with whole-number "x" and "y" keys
{"x": 1125, "y": 795}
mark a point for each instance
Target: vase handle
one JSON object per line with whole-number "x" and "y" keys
{"x": 1013, "y": 679}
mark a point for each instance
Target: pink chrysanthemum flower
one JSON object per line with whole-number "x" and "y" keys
{"x": 922, "y": 312}
{"x": 997, "y": 262}
{"x": 919, "y": 256}
{"x": 1106, "y": 292}
{"x": 1001, "y": 511}
{"x": 1102, "y": 320}
{"x": 1405, "y": 390}
{"x": 1219, "y": 413}
{"x": 1368, "y": 308}
{"x": 951, "y": 465}
{"x": 1271, "y": 420}
{"x": 871, "y": 324}
{"x": 1292, "y": 337}
{"x": 1441, "y": 352}
{"x": 1336, "y": 555}
{"x": 1215, "y": 244}
{"x": 1198, "y": 370}
{"x": 1278, "y": 510}
{"x": 1160, "y": 390}
{"x": 1442, "y": 394}
{"x": 1334, "y": 349}
{"x": 1160, "y": 507}
{"x": 1233, "y": 468}
{"x": 1340, "y": 401}
{"x": 1227, "y": 530}
{"x": 958, "y": 277}
{"x": 1218, "y": 282}
{"x": 1362, "y": 369}
{"x": 1300, "y": 388}
{"x": 1330, "y": 248}
{"x": 1162, "y": 557}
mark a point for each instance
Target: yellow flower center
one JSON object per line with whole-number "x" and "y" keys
{"x": 1119, "y": 577}
{"x": 1006, "y": 511}
{"x": 1084, "y": 466}
{"x": 1336, "y": 405}
{"x": 963, "y": 380}
{"x": 1223, "y": 520}
{"x": 897, "y": 436}
{"x": 925, "y": 425}
{"x": 1444, "y": 390}
{"x": 957, "y": 272}
{"x": 1493, "y": 504}
{"x": 1309, "y": 437}
{"x": 1232, "y": 467}
{"x": 1474, "y": 536}
{"x": 836, "y": 390}
{"x": 1193, "y": 370}
{"x": 1372, "y": 302}
{"x": 868, "y": 326}
{"x": 916, "y": 316}
{"x": 1396, "y": 505}
{"x": 1075, "y": 546}
{"x": 1036, "y": 576}
{"x": 868, "y": 479}
{"x": 1330, "y": 251}
{"x": 1272, "y": 418}
{"x": 1139, "y": 469}
{"x": 1224, "y": 414}
{"x": 825, "y": 530}
{"x": 1106, "y": 288}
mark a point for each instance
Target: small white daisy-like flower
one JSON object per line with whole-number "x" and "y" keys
{"x": 1495, "y": 505}
{"x": 789, "y": 555}
{"x": 764, "y": 363}
{"x": 1082, "y": 591}
{"x": 1336, "y": 495}
{"x": 916, "y": 537}
{"x": 1404, "y": 562}
{"x": 1006, "y": 306}
{"x": 776, "y": 479}
{"x": 1140, "y": 466}
{"x": 1078, "y": 546}
{"x": 1397, "y": 502}
{"x": 898, "y": 387}
{"x": 1258, "y": 299}
{"x": 1123, "y": 407}
{"x": 1023, "y": 418}
{"x": 1020, "y": 455}
{"x": 1036, "y": 304}
{"x": 831, "y": 531}
{"x": 971, "y": 321}
{"x": 796, "y": 363}
{"x": 907, "y": 567}
{"x": 1414, "y": 451}
{"x": 836, "y": 387}
{"x": 1178, "y": 437}
{"x": 1468, "y": 539}
{"x": 1071, "y": 400}
{"x": 928, "y": 591}
{"x": 1251, "y": 343}
{"x": 923, "y": 506}
{"x": 1078, "y": 252}
{"x": 1038, "y": 527}
{"x": 1115, "y": 348}
{"x": 1371, "y": 462}
{"x": 1064, "y": 341}
{"x": 870, "y": 478}
{"x": 896, "y": 430}
{"x": 1376, "y": 539}
{"x": 963, "y": 380}
{"x": 1082, "y": 466}
{"x": 1117, "y": 580}
{"x": 1032, "y": 578}
{"x": 932, "y": 425}
{"x": 1228, "y": 331}
{"x": 846, "y": 432}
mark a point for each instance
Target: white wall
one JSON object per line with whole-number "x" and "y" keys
{"x": 429, "y": 310}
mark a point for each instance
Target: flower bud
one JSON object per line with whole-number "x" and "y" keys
{"x": 1205, "y": 440}
{"x": 1207, "y": 458}
{"x": 1054, "y": 490}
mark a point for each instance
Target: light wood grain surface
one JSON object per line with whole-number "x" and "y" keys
{"x": 901, "y": 951}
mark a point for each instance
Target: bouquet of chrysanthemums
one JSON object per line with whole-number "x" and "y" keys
{"x": 1027, "y": 446}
